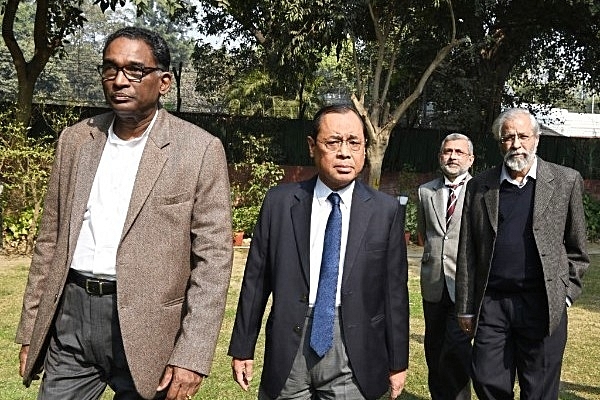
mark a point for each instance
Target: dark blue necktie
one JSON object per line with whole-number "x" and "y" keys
{"x": 321, "y": 335}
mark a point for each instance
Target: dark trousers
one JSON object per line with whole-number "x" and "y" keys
{"x": 86, "y": 350}
{"x": 511, "y": 340}
{"x": 447, "y": 351}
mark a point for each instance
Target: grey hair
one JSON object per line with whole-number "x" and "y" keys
{"x": 510, "y": 114}
{"x": 457, "y": 136}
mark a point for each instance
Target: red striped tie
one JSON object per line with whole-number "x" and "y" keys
{"x": 451, "y": 201}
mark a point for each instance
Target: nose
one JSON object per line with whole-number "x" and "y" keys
{"x": 121, "y": 79}
{"x": 344, "y": 150}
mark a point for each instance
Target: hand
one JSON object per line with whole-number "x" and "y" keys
{"x": 397, "y": 380}
{"x": 242, "y": 372}
{"x": 182, "y": 383}
{"x": 467, "y": 324}
{"x": 23, "y": 358}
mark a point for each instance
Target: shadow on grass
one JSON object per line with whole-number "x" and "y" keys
{"x": 410, "y": 396}
{"x": 575, "y": 391}
{"x": 417, "y": 338}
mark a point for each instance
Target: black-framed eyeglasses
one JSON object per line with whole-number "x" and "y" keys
{"x": 134, "y": 73}
{"x": 336, "y": 144}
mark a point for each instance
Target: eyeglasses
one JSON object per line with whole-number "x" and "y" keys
{"x": 511, "y": 138}
{"x": 457, "y": 153}
{"x": 336, "y": 144}
{"x": 134, "y": 73}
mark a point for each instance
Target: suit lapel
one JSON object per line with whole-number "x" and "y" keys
{"x": 301, "y": 212}
{"x": 543, "y": 189}
{"x": 360, "y": 213}
{"x": 151, "y": 164}
{"x": 491, "y": 197}
{"x": 438, "y": 204}
{"x": 87, "y": 164}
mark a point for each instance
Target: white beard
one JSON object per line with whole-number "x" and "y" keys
{"x": 519, "y": 163}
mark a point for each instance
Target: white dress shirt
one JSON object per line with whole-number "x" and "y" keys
{"x": 104, "y": 218}
{"x": 321, "y": 208}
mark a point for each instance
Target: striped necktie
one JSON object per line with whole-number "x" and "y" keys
{"x": 451, "y": 200}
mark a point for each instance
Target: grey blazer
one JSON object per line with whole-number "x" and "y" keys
{"x": 441, "y": 245}
{"x": 558, "y": 229}
{"x": 175, "y": 254}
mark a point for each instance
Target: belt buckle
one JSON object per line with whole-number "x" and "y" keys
{"x": 94, "y": 287}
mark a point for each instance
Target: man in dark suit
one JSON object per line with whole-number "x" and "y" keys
{"x": 129, "y": 277}
{"x": 522, "y": 256}
{"x": 447, "y": 348}
{"x": 367, "y": 348}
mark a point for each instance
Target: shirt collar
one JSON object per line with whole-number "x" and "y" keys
{"x": 322, "y": 191}
{"x": 114, "y": 139}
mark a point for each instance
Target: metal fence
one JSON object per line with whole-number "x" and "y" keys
{"x": 412, "y": 150}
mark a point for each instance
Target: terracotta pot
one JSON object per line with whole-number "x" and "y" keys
{"x": 238, "y": 238}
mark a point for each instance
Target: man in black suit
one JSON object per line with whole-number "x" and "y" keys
{"x": 367, "y": 351}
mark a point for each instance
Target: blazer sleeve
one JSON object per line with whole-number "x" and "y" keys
{"x": 211, "y": 262}
{"x": 255, "y": 291}
{"x": 397, "y": 296}
{"x": 466, "y": 258}
{"x": 44, "y": 250}
{"x": 575, "y": 240}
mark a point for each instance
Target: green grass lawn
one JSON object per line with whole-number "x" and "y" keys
{"x": 580, "y": 375}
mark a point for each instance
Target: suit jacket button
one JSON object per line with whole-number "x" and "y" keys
{"x": 298, "y": 329}
{"x": 304, "y": 298}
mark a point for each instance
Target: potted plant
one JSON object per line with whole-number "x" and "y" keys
{"x": 253, "y": 177}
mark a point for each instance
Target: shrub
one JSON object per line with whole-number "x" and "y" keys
{"x": 25, "y": 164}
{"x": 256, "y": 174}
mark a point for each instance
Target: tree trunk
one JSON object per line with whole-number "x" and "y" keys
{"x": 25, "y": 100}
{"x": 375, "y": 153}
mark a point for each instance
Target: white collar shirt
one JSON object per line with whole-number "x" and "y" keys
{"x": 321, "y": 208}
{"x": 96, "y": 250}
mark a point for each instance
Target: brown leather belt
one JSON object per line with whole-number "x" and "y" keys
{"x": 92, "y": 286}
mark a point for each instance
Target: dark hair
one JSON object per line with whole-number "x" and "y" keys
{"x": 338, "y": 109}
{"x": 160, "y": 48}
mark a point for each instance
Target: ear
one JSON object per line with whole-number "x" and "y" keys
{"x": 311, "y": 146}
{"x": 165, "y": 82}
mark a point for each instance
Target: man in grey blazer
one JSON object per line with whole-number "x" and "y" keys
{"x": 522, "y": 257}
{"x": 130, "y": 272}
{"x": 367, "y": 351}
{"x": 447, "y": 348}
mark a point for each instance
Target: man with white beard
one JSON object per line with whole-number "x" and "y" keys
{"x": 522, "y": 255}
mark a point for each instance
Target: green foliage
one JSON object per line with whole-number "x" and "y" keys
{"x": 410, "y": 222}
{"x": 592, "y": 217}
{"x": 25, "y": 164}
{"x": 254, "y": 176}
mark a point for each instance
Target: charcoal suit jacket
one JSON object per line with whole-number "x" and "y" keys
{"x": 374, "y": 296}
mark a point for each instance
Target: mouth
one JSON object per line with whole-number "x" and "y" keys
{"x": 118, "y": 96}
{"x": 344, "y": 169}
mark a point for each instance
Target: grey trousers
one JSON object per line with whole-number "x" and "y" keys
{"x": 313, "y": 377}
{"x": 86, "y": 350}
